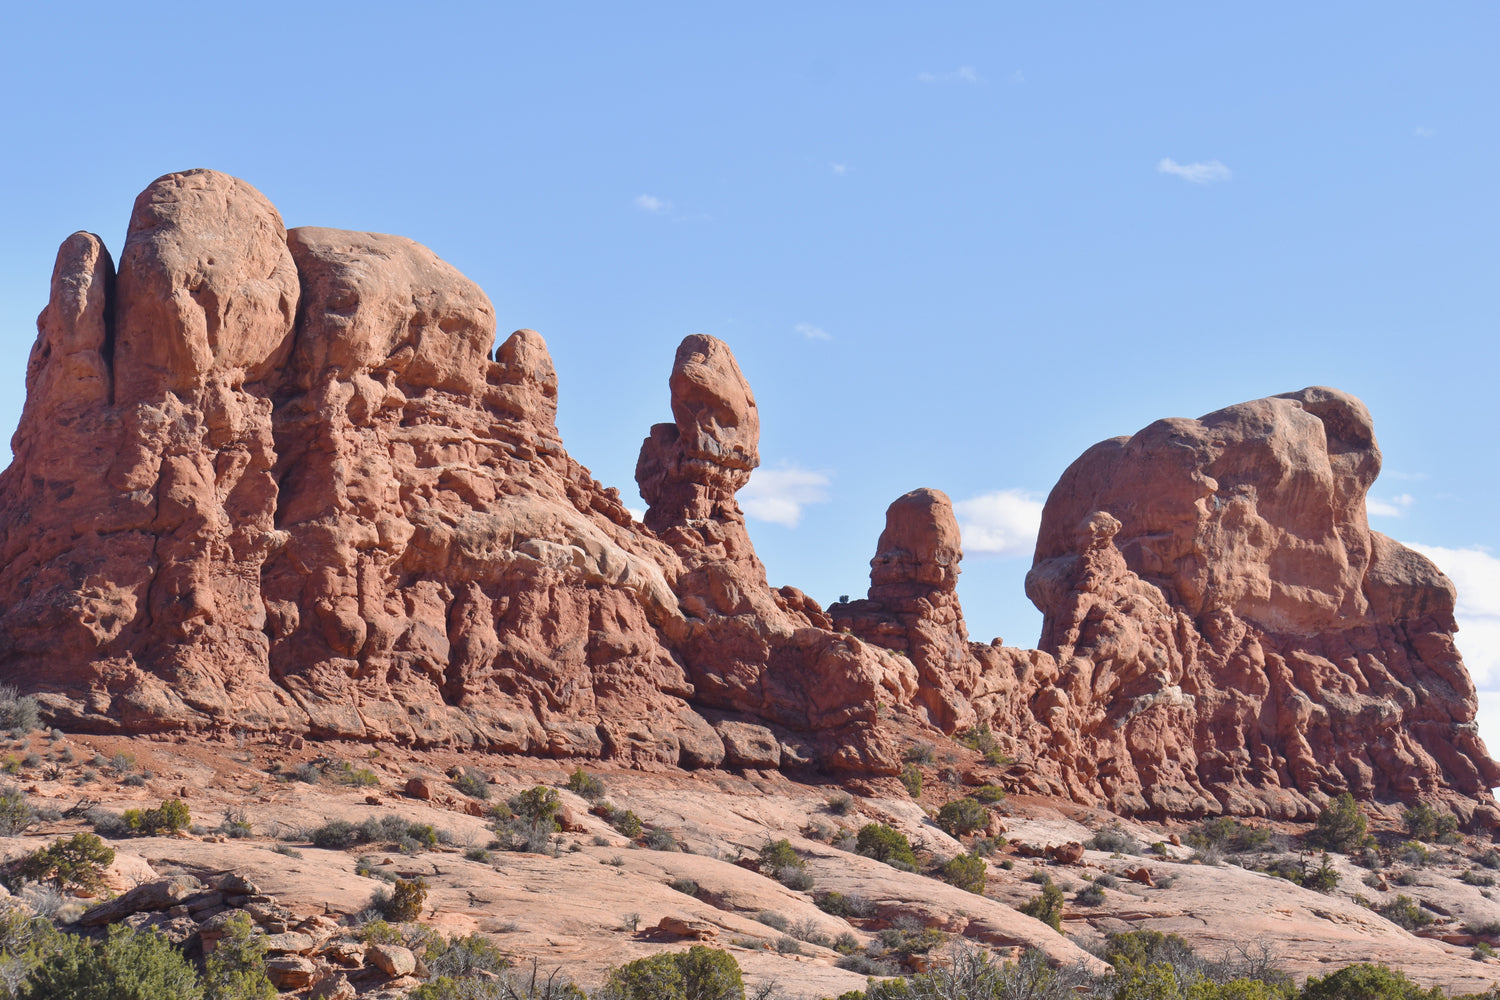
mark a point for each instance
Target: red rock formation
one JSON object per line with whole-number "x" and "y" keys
{"x": 913, "y": 605}
{"x": 1232, "y": 636}
{"x": 277, "y": 479}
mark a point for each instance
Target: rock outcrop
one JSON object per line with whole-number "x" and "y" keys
{"x": 283, "y": 480}
{"x": 277, "y": 479}
{"x": 1231, "y": 634}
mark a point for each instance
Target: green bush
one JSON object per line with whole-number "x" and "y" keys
{"x": 627, "y": 822}
{"x": 75, "y": 863}
{"x": 19, "y": 713}
{"x": 357, "y": 777}
{"x": 236, "y": 969}
{"x": 1114, "y": 839}
{"x": 585, "y": 785}
{"x": 1129, "y": 950}
{"x": 1422, "y": 822}
{"x": 468, "y": 956}
{"x": 1341, "y": 825}
{"x": 1047, "y": 907}
{"x": 962, "y": 816}
{"x": 169, "y": 817}
{"x": 700, "y": 973}
{"x": 1090, "y": 895}
{"x": 777, "y": 854}
{"x": 1403, "y": 911}
{"x": 16, "y": 813}
{"x": 967, "y": 871}
{"x": 538, "y": 805}
{"x": 473, "y": 784}
{"x": 988, "y": 794}
{"x": 883, "y": 843}
{"x": 1224, "y": 833}
{"x": 911, "y": 778}
{"x": 405, "y": 901}
{"x": 1366, "y": 982}
{"x": 127, "y": 965}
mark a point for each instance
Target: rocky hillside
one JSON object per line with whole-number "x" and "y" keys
{"x": 285, "y": 481}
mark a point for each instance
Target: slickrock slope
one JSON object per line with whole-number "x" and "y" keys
{"x": 283, "y": 480}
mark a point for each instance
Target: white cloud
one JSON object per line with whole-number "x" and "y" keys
{"x": 1018, "y": 78}
{"x": 636, "y": 513}
{"x": 778, "y": 495}
{"x": 1198, "y": 173}
{"x": 650, "y": 203}
{"x": 1002, "y": 523}
{"x": 1476, "y": 574}
{"x": 1425, "y": 133}
{"x": 1394, "y": 507}
{"x": 813, "y": 332}
{"x": 964, "y": 74}
{"x": 839, "y": 169}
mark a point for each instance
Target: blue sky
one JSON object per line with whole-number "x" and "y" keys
{"x": 952, "y": 246}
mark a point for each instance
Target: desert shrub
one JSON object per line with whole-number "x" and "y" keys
{"x": 1322, "y": 878}
{"x": 477, "y": 853}
{"x": 121, "y": 763}
{"x": 236, "y": 969}
{"x": 1046, "y": 907}
{"x": 627, "y": 822}
{"x": 1404, "y": 878}
{"x": 538, "y": 804}
{"x": 468, "y": 956}
{"x": 1341, "y": 825}
{"x": 840, "y": 804}
{"x": 1403, "y": 911}
{"x": 236, "y": 824}
{"x": 883, "y": 843}
{"x": 355, "y": 777}
{"x": 405, "y": 901}
{"x": 658, "y": 839}
{"x": 920, "y": 752}
{"x": 982, "y": 739}
{"x": 337, "y": 835}
{"x": 966, "y": 871}
{"x": 527, "y": 836}
{"x": 1366, "y": 982}
{"x": 473, "y": 784}
{"x": 75, "y": 863}
{"x": 1489, "y": 859}
{"x": 127, "y": 965}
{"x": 795, "y": 878}
{"x": 864, "y": 965}
{"x": 308, "y": 773}
{"x": 854, "y": 905}
{"x": 962, "y": 816}
{"x": 169, "y": 817}
{"x": 1422, "y": 822}
{"x": 988, "y": 794}
{"x": 775, "y": 921}
{"x": 1472, "y": 877}
{"x": 16, "y": 813}
{"x": 25, "y": 940}
{"x": 686, "y": 886}
{"x": 809, "y": 931}
{"x": 1128, "y": 950}
{"x": 19, "y": 713}
{"x": 1114, "y": 839}
{"x": 1224, "y": 833}
{"x": 586, "y": 785}
{"x": 911, "y": 779}
{"x": 700, "y": 973}
{"x": 1090, "y": 895}
{"x": 776, "y": 854}
{"x": 1415, "y": 853}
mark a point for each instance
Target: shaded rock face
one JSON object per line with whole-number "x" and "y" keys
{"x": 1231, "y": 635}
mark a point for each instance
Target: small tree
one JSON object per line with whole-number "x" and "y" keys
{"x": 75, "y": 863}
{"x": 1366, "y": 982}
{"x": 406, "y": 900}
{"x": 236, "y": 968}
{"x": 968, "y": 872}
{"x": 127, "y": 965}
{"x": 962, "y": 816}
{"x": 536, "y": 805}
{"x": 1047, "y": 907}
{"x": 1341, "y": 825}
{"x": 883, "y": 843}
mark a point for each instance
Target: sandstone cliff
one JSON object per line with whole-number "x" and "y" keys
{"x": 284, "y": 480}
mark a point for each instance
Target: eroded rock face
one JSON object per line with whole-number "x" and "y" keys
{"x": 276, "y": 479}
{"x": 280, "y": 480}
{"x": 1230, "y": 633}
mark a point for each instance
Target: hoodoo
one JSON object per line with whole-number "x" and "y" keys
{"x": 285, "y": 480}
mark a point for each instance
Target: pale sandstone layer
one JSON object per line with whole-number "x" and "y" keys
{"x": 284, "y": 480}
